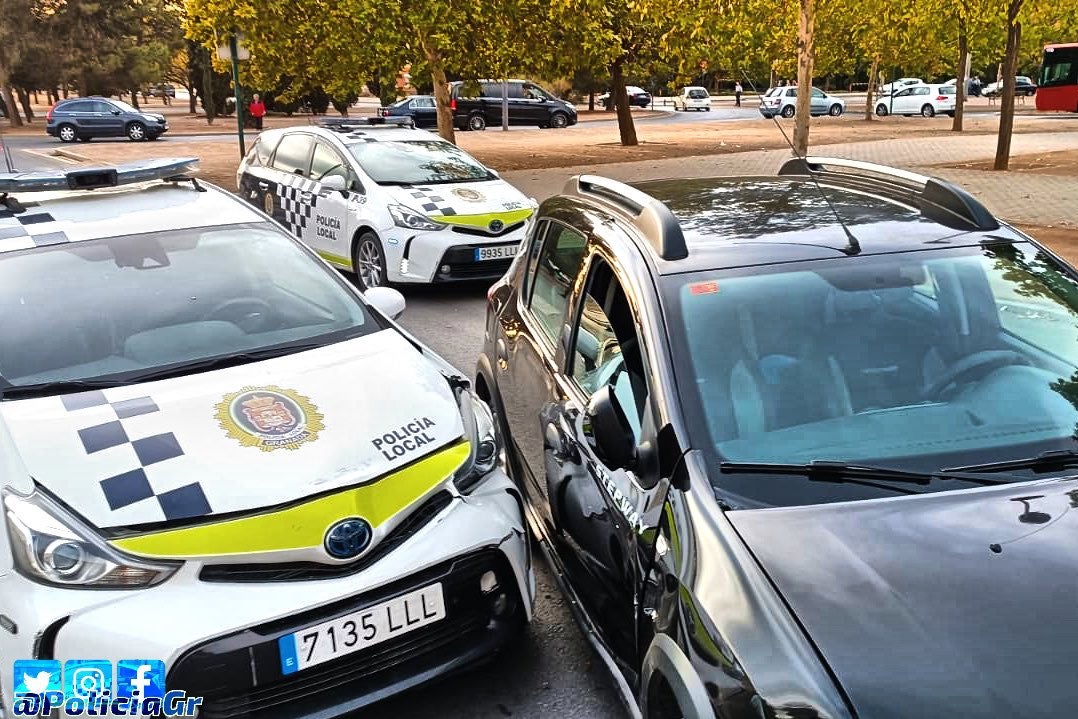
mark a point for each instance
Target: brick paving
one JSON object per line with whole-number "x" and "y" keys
{"x": 1021, "y": 197}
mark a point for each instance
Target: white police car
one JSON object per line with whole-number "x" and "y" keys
{"x": 217, "y": 453}
{"x": 387, "y": 201}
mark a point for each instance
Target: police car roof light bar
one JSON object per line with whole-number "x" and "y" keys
{"x": 349, "y": 124}
{"x": 166, "y": 170}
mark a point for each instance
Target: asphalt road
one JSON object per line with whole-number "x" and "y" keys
{"x": 550, "y": 671}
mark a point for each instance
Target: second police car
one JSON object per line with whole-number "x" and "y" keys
{"x": 389, "y": 202}
{"x": 224, "y": 458}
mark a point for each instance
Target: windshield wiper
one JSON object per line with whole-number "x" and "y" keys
{"x": 1050, "y": 461}
{"x": 45, "y": 389}
{"x": 832, "y": 471}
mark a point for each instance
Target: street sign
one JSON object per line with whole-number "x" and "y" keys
{"x": 224, "y": 52}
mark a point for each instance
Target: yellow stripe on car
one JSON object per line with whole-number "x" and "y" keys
{"x": 303, "y": 525}
{"x": 483, "y": 220}
{"x": 335, "y": 259}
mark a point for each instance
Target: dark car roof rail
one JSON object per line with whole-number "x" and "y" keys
{"x": 351, "y": 124}
{"x": 651, "y": 217}
{"x": 938, "y": 200}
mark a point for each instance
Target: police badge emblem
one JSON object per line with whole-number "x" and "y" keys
{"x": 269, "y": 418}
{"x": 267, "y": 203}
{"x": 467, "y": 194}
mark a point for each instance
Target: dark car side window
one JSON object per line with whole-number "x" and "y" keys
{"x": 420, "y": 102}
{"x": 293, "y": 154}
{"x": 80, "y": 106}
{"x": 99, "y": 106}
{"x": 557, "y": 267}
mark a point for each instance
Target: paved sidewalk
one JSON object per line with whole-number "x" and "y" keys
{"x": 1021, "y": 197}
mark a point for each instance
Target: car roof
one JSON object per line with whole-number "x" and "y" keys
{"x": 727, "y": 222}
{"x": 353, "y": 134}
{"x": 75, "y": 216}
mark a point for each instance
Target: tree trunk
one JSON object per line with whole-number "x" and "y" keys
{"x": 591, "y": 101}
{"x": 134, "y": 99}
{"x": 620, "y": 95}
{"x": 8, "y": 98}
{"x": 1006, "y": 109}
{"x": 442, "y": 99}
{"x": 207, "y": 92}
{"x": 772, "y": 80}
{"x": 805, "y": 49}
{"x": 192, "y": 100}
{"x": 960, "y": 89}
{"x": 871, "y": 91}
{"x": 24, "y": 98}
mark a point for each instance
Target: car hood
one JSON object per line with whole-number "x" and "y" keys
{"x": 239, "y": 439}
{"x": 467, "y": 204}
{"x": 957, "y": 604}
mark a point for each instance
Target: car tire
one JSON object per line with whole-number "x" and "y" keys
{"x": 835, "y": 110}
{"x": 136, "y": 132}
{"x": 928, "y": 111}
{"x": 369, "y": 262}
{"x": 788, "y": 111}
{"x": 67, "y": 133}
{"x": 881, "y": 111}
{"x": 477, "y": 122}
{"x": 559, "y": 120}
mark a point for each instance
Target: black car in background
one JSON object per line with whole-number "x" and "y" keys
{"x": 421, "y": 108}
{"x": 478, "y": 104}
{"x": 797, "y": 456}
{"x": 85, "y": 118}
{"x": 638, "y": 97}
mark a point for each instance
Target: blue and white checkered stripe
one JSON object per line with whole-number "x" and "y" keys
{"x": 29, "y": 228}
{"x": 431, "y": 201}
{"x": 138, "y": 454}
{"x": 297, "y": 197}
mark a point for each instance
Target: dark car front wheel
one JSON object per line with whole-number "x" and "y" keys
{"x": 559, "y": 120}
{"x": 136, "y": 132}
{"x": 788, "y": 111}
{"x": 477, "y": 122}
{"x": 67, "y": 133}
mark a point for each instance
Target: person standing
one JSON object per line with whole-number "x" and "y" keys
{"x": 737, "y": 94}
{"x": 257, "y": 110}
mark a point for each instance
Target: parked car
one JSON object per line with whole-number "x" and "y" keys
{"x": 899, "y": 84}
{"x": 1023, "y": 86}
{"x": 782, "y": 101}
{"x": 797, "y": 455}
{"x": 924, "y": 100}
{"x": 389, "y": 202}
{"x": 162, "y": 90}
{"x": 478, "y": 104}
{"x": 209, "y": 438}
{"x": 85, "y": 118}
{"x": 638, "y": 97}
{"x": 692, "y": 98}
{"x": 421, "y": 108}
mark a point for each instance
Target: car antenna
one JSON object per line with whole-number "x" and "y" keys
{"x": 853, "y": 247}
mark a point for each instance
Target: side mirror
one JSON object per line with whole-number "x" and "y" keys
{"x": 611, "y": 434}
{"x": 115, "y": 112}
{"x": 386, "y": 300}
{"x": 334, "y": 182}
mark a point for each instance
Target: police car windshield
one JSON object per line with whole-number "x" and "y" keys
{"x": 918, "y": 361}
{"x": 418, "y": 162}
{"x": 125, "y": 308}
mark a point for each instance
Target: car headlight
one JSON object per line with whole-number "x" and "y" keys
{"x": 479, "y": 428}
{"x": 403, "y": 217}
{"x": 51, "y": 546}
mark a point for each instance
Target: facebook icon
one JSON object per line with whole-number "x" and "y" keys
{"x": 140, "y": 679}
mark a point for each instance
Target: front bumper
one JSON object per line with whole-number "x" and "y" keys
{"x": 448, "y": 255}
{"x": 217, "y": 633}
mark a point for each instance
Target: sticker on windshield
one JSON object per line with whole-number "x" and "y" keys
{"x": 269, "y": 418}
{"x": 704, "y": 288}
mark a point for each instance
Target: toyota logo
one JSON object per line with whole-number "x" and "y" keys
{"x": 496, "y": 226}
{"x": 348, "y": 538}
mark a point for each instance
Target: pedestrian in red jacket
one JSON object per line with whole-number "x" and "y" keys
{"x": 257, "y": 109}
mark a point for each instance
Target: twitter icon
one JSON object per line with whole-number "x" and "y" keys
{"x": 37, "y": 676}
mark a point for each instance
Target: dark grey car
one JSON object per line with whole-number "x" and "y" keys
{"x": 85, "y": 118}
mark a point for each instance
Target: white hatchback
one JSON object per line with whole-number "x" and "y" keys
{"x": 924, "y": 100}
{"x": 692, "y": 98}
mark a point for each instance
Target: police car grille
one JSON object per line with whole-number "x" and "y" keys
{"x": 480, "y": 232}
{"x": 306, "y": 571}
{"x": 239, "y": 676}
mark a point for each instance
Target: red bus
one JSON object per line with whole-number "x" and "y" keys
{"x": 1058, "y": 88}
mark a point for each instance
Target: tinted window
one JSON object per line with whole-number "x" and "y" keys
{"x": 293, "y": 154}
{"x": 417, "y": 162}
{"x": 946, "y": 90}
{"x": 77, "y": 106}
{"x": 1060, "y": 67}
{"x": 929, "y": 360}
{"x": 698, "y": 93}
{"x": 156, "y": 299}
{"x": 420, "y": 102}
{"x": 327, "y": 162}
{"x": 534, "y": 92}
{"x": 921, "y": 90}
{"x": 817, "y": 92}
{"x": 556, "y": 270}
{"x": 260, "y": 153}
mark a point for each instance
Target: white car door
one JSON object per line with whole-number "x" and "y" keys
{"x": 901, "y": 102}
{"x": 329, "y": 229}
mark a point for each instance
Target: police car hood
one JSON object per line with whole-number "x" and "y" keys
{"x": 238, "y": 439}
{"x": 949, "y": 604}
{"x": 468, "y": 204}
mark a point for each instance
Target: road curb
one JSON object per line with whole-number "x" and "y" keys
{"x": 68, "y": 154}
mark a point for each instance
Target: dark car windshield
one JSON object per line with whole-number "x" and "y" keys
{"x": 921, "y": 361}
{"x": 128, "y": 306}
{"x": 698, "y": 93}
{"x": 418, "y": 162}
